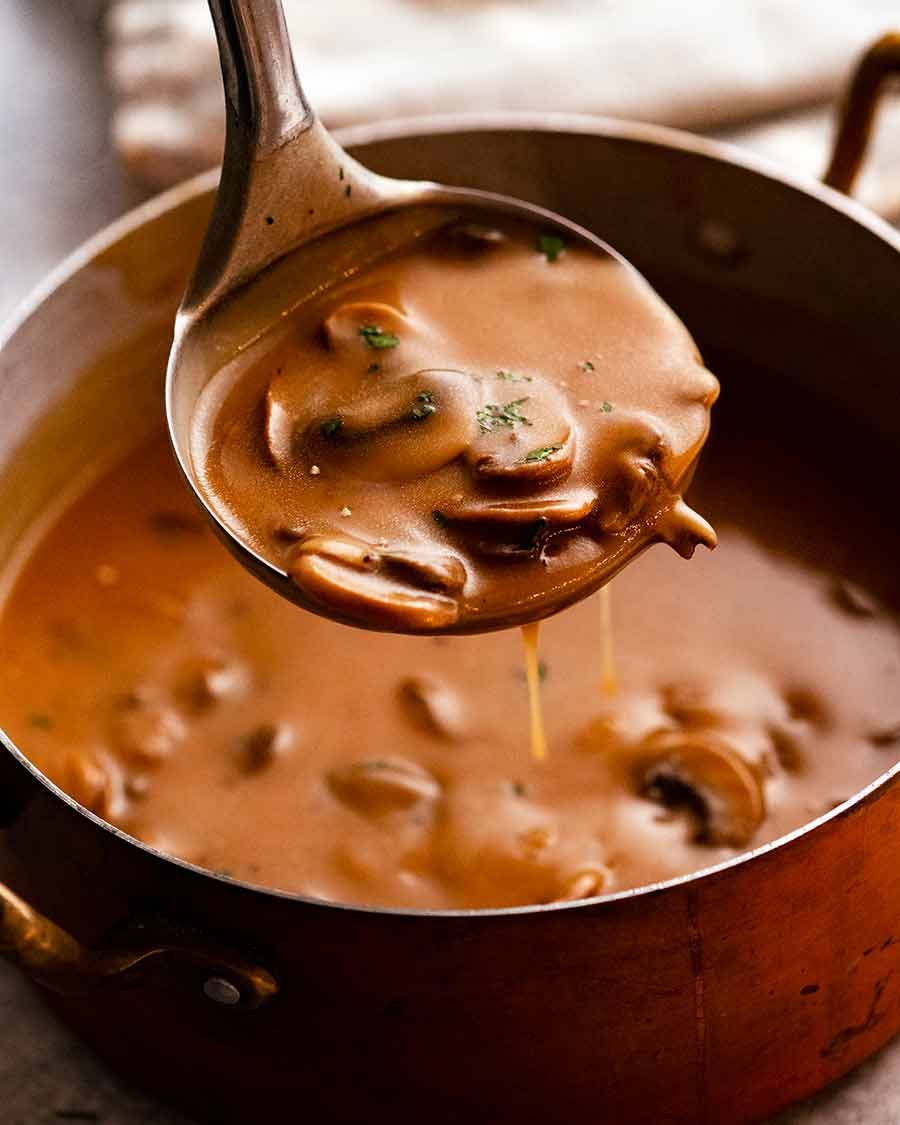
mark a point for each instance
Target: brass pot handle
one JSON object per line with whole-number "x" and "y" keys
{"x": 857, "y": 113}
{"x": 55, "y": 959}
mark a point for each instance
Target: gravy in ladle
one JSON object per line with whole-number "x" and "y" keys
{"x": 470, "y": 434}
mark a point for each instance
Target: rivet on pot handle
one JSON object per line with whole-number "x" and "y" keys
{"x": 857, "y": 114}
{"x": 55, "y": 959}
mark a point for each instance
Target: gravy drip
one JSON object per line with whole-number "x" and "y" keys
{"x": 473, "y": 434}
{"x": 170, "y": 692}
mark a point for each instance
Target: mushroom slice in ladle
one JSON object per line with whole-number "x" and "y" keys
{"x": 524, "y": 437}
{"x": 373, "y": 328}
{"x": 399, "y": 428}
{"x": 410, "y": 589}
{"x": 558, "y": 510}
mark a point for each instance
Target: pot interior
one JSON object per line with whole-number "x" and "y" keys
{"x": 767, "y": 277}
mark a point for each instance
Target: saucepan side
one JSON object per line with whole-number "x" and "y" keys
{"x": 714, "y": 998}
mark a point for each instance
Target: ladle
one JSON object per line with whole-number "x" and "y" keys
{"x": 287, "y": 199}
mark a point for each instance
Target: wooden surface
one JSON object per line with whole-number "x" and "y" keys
{"x": 58, "y": 184}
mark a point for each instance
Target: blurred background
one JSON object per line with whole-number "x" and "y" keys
{"x": 106, "y": 101}
{"x": 103, "y": 102}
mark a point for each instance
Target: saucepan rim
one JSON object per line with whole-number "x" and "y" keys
{"x": 561, "y": 123}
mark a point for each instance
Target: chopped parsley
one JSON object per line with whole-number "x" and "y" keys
{"x": 423, "y": 407}
{"x": 586, "y": 365}
{"x": 41, "y": 720}
{"x": 494, "y": 417}
{"x": 550, "y": 245}
{"x": 518, "y": 789}
{"x": 372, "y": 368}
{"x": 542, "y": 453}
{"x": 543, "y": 672}
{"x": 331, "y": 427}
{"x": 512, "y": 377}
{"x": 375, "y": 338}
{"x": 607, "y": 407}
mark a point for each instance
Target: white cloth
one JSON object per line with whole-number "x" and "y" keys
{"x": 693, "y": 63}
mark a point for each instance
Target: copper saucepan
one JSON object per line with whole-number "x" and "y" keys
{"x": 715, "y": 998}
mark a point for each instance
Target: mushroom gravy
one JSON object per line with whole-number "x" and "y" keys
{"x": 159, "y": 684}
{"x": 470, "y": 434}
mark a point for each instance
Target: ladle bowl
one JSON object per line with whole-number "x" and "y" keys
{"x": 294, "y": 214}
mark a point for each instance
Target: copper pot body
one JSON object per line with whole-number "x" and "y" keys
{"x": 717, "y": 998}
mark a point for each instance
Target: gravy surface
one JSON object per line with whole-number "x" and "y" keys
{"x": 471, "y": 434}
{"x": 152, "y": 678}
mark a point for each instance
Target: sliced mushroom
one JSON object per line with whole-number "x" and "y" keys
{"x": 95, "y": 782}
{"x": 398, "y": 428}
{"x": 787, "y": 744}
{"x": 212, "y": 680}
{"x": 172, "y": 523}
{"x": 592, "y": 879}
{"x": 145, "y": 730}
{"x": 470, "y": 239}
{"x": 700, "y": 772}
{"x": 383, "y": 785}
{"x": 560, "y": 510}
{"x": 433, "y": 706}
{"x": 886, "y": 736}
{"x": 853, "y": 599}
{"x": 409, "y": 589}
{"x": 279, "y": 429}
{"x": 265, "y": 744}
{"x": 371, "y": 328}
{"x": 522, "y": 438}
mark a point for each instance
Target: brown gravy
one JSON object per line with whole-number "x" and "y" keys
{"x": 472, "y": 434}
{"x": 166, "y": 689}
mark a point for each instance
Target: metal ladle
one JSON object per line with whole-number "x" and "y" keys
{"x": 287, "y": 198}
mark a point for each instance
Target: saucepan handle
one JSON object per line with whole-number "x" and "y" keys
{"x": 57, "y": 960}
{"x": 857, "y": 113}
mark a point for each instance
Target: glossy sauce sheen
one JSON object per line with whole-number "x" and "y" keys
{"x": 470, "y": 435}
{"x": 164, "y": 687}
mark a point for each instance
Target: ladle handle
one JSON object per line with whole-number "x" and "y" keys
{"x": 878, "y": 63}
{"x": 264, "y": 104}
{"x": 284, "y": 178}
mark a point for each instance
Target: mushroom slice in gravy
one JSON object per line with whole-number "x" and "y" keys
{"x": 701, "y": 773}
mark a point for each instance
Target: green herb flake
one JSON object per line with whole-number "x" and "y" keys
{"x": 423, "y": 407}
{"x": 40, "y": 720}
{"x": 512, "y": 377}
{"x": 494, "y": 417}
{"x": 607, "y": 407}
{"x": 372, "y": 368}
{"x": 586, "y": 365}
{"x": 518, "y": 789}
{"x": 543, "y": 672}
{"x": 542, "y": 453}
{"x": 331, "y": 427}
{"x": 375, "y": 338}
{"x": 550, "y": 245}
